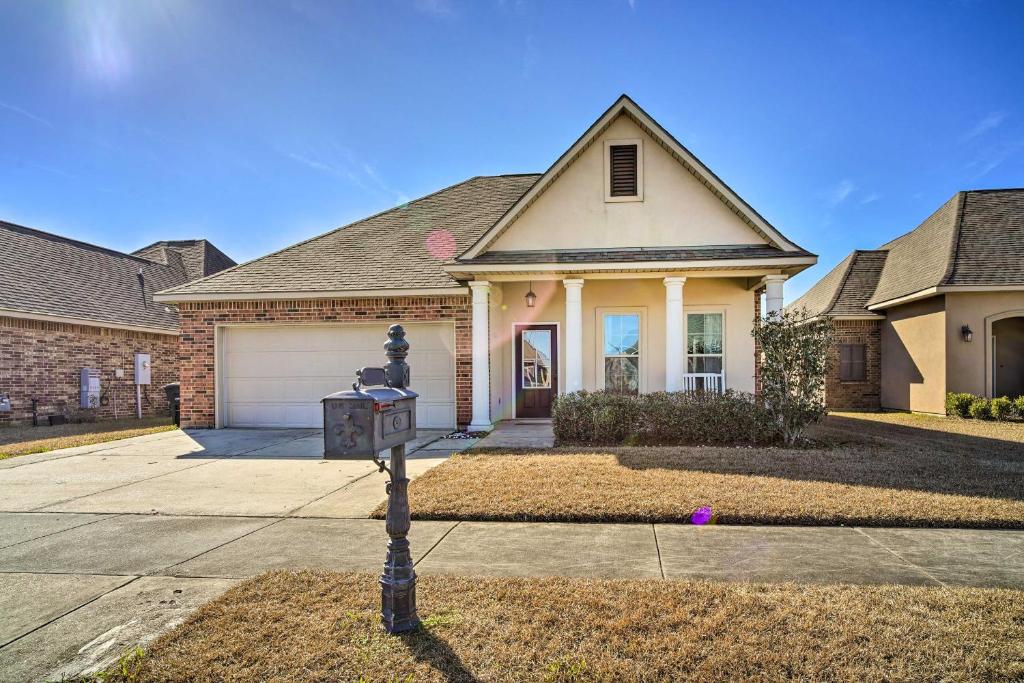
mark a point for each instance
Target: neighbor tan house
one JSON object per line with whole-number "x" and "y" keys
{"x": 627, "y": 265}
{"x": 940, "y": 309}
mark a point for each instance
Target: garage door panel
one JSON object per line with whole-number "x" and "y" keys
{"x": 276, "y": 376}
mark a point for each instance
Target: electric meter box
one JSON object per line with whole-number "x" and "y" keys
{"x": 89, "y": 393}
{"x": 143, "y": 369}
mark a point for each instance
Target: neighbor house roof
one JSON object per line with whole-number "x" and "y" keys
{"x": 49, "y": 277}
{"x": 973, "y": 240}
{"x": 200, "y": 257}
{"x": 846, "y": 289}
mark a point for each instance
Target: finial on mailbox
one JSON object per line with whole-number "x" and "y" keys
{"x": 396, "y": 348}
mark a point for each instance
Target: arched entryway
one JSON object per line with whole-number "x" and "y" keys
{"x": 1007, "y": 355}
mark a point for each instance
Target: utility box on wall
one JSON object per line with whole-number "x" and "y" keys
{"x": 89, "y": 391}
{"x": 143, "y": 369}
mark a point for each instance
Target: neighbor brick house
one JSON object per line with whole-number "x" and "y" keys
{"x": 627, "y": 265}
{"x": 67, "y": 305}
{"x": 939, "y": 309}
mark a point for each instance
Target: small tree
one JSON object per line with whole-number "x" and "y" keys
{"x": 795, "y": 356}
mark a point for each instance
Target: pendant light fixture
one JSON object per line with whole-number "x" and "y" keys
{"x": 531, "y": 298}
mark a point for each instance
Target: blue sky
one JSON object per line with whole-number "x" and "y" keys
{"x": 257, "y": 124}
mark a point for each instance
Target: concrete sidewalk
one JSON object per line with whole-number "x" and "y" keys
{"x": 103, "y": 547}
{"x": 79, "y": 589}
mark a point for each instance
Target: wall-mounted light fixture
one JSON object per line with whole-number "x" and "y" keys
{"x": 531, "y": 298}
{"x": 968, "y": 335}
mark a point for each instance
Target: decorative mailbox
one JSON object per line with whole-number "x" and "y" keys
{"x": 360, "y": 423}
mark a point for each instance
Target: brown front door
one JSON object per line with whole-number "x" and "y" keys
{"x": 536, "y": 369}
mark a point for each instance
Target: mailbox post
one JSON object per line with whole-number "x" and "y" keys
{"x": 361, "y": 423}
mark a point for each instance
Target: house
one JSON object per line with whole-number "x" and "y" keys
{"x": 940, "y": 309}
{"x": 626, "y": 265}
{"x": 66, "y": 305}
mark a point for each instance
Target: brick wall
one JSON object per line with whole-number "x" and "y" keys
{"x": 43, "y": 360}
{"x": 865, "y": 395}
{"x": 199, "y": 321}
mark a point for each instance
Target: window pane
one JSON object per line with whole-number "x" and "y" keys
{"x": 622, "y": 374}
{"x": 704, "y": 333}
{"x": 536, "y": 370}
{"x": 622, "y": 334}
{"x": 701, "y": 364}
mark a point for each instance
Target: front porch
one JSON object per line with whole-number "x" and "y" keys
{"x": 631, "y": 332}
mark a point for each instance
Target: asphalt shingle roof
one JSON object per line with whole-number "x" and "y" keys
{"x": 732, "y": 251}
{"x": 403, "y": 248}
{"x": 975, "y": 238}
{"x": 46, "y": 274}
{"x": 847, "y": 287}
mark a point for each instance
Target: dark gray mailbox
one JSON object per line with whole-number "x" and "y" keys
{"x": 361, "y": 423}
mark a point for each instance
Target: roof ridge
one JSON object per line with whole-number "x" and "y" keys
{"x": 329, "y": 232}
{"x": 842, "y": 283}
{"x": 954, "y": 246}
{"x": 72, "y": 241}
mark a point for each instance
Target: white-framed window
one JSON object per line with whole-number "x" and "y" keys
{"x": 620, "y": 363}
{"x": 705, "y": 342}
{"x": 624, "y": 170}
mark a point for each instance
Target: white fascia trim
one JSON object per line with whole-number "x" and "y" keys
{"x": 943, "y": 289}
{"x": 663, "y": 137}
{"x": 631, "y": 265}
{"x": 9, "y": 313}
{"x": 171, "y": 297}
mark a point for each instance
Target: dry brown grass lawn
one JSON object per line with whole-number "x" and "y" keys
{"x": 24, "y": 440}
{"x": 321, "y": 626}
{"x": 876, "y": 470}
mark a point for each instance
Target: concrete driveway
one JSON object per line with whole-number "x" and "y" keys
{"x": 103, "y": 546}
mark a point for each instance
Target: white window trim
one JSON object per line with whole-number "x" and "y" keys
{"x": 599, "y": 328}
{"x": 639, "y": 196}
{"x": 687, "y": 310}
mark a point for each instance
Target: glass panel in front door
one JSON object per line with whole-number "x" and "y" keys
{"x": 536, "y": 370}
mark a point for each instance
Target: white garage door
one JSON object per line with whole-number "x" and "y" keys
{"x": 276, "y": 376}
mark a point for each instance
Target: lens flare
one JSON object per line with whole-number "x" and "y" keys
{"x": 703, "y": 515}
{"x": 441, "y": 244}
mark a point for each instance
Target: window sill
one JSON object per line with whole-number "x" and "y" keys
{"x": 620, "y": 199}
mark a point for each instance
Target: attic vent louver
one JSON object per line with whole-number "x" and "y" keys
{"x": 622, "y": 165}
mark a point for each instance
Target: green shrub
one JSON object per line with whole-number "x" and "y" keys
{"x": 958, "y": 405}
{"x": 1018, "y": 407}
{"x": 1002, "y": 408}
{"x": 980, "y": 409}
{"x": 795, "y": 355}
{"x": 660, "y": 419}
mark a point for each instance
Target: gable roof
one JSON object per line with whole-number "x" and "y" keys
{"x": 393, "y": 251}
{"x": 200, "y": 257}
{"x": 48, "y": 276}
{"x": 973, "y": 240}
{"x": 624, "y": 105}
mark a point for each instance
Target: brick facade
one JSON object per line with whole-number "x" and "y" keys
{"x": 200, "y": 319}
{"x": 856, "y": 396}
{"x": 43, "y": 360}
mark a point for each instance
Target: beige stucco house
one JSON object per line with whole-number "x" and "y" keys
{"x": 627, "y": 265}
{"x": 939, "y": 309}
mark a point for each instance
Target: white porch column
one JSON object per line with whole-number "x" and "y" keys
{"x": 573, "y": 335}
{"x": 773, "y": 293}
{"x": 481, "y": 421}
{"x": 675, "y": 341}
